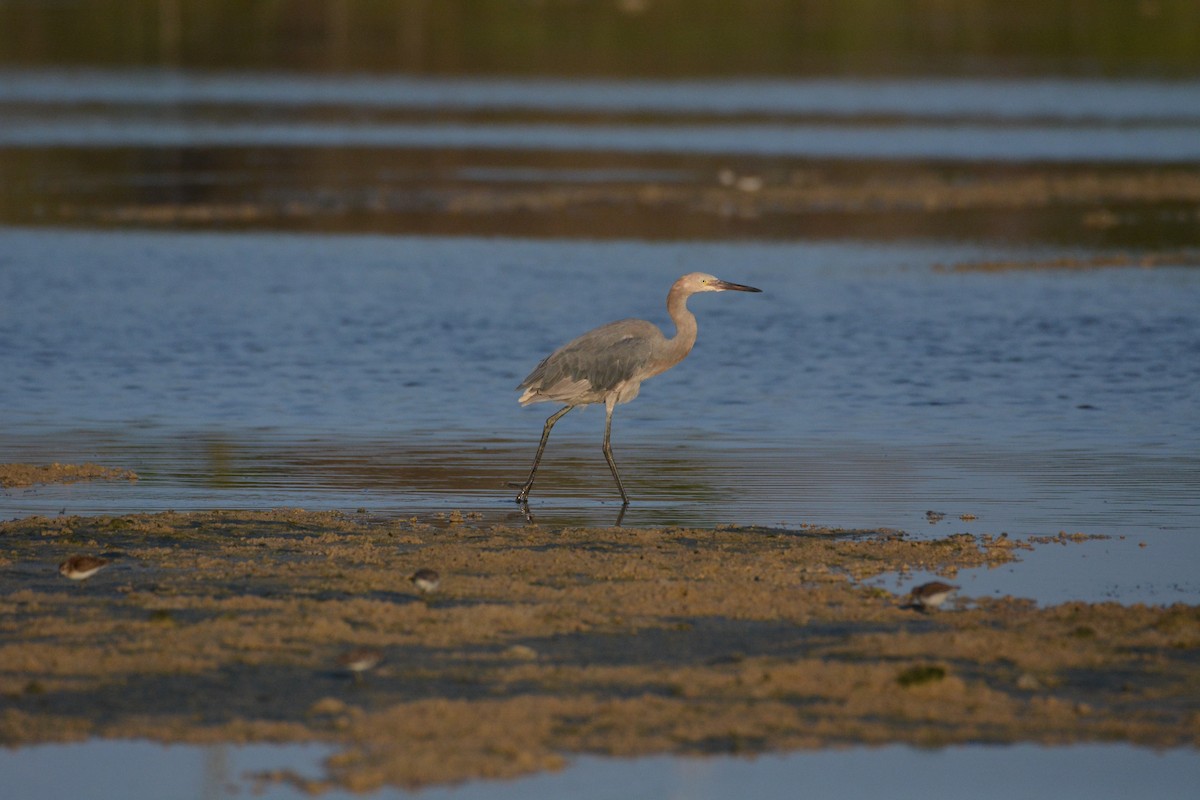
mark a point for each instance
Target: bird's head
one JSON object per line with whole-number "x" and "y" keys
{"x": 702, "y": 282}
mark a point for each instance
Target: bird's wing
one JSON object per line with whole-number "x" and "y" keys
{"x": 586, "y": 369}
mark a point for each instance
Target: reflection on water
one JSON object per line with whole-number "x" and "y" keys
{"x": 722, "y": 480}
{"x": 910, "y": 141}
{"x": 862, "y": 388}
{"x": 1147, "y": 504}
{"x": 1097, "y": 771}
{"x": 1077, "y": 121}
{"x": 1048, "y": 100}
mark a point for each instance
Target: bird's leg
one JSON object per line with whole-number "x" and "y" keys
{"x": 608, "y": 456}
{"x": 523, "y": 495}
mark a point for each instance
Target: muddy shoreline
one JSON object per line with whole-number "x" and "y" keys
{"x": 22, "y": 475}
{"x": 629, "y": 195}
{"x": 542, "y": 643}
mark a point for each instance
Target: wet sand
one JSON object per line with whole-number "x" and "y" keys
{"x": 18, "y": 475}
{"x": 542, "y": 643}
{"x": 623, "y": 195}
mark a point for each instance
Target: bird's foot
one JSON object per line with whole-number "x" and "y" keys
{"x": 522, "y": 497}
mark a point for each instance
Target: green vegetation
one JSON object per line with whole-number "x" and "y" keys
{"x": 659, "y": 38}
{"x": 925, "y": 673}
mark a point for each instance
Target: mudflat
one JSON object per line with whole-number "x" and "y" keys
{"x": 15, "y": 475}
{"x": 541, "y": 643}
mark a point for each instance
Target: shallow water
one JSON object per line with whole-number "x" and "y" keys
{"x": 971, "y": 120}
{"x": 1027, "y": 771}
{"x": 394, "y": 337}
{"x": 861, "y": 389}
{"x": 1088, "y": 101}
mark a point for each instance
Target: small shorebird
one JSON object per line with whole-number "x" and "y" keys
{"x": 427, "y": 581}
{"x": 360, "y": 660}
{"x": 930, "y": 595}
{"x": 79, "y": 568}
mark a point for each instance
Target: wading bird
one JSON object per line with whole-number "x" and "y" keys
{"x": 608, "y": 364}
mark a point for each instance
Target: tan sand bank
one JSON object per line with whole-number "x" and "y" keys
{"x": 13, "y": 475}
{"x": 539, "y": 644}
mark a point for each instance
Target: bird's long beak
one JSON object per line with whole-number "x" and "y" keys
{"x": 726, "y": 286}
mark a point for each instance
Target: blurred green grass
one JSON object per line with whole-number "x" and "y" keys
{"x": 617, "y": 38}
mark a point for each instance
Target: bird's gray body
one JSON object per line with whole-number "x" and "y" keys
{"x": 611, "y": 360}
{"x": 608, "y": 364}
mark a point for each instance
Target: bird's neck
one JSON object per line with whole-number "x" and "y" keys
{"x": 685, "y": 325}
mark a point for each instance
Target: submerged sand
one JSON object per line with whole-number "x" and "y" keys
{"x": 545, "y": 643}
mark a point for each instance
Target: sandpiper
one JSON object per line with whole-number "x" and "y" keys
{"x": 930, "y": 595}
{"x": 360, "y": 660}
{"x": 426, "y": 581}
{"x": 79, "y": 568}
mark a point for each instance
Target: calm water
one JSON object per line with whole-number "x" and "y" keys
{"x": 1098, "y": 772}
{"x": 1079, "y": 100}
{"x": 1045, "y": 120}
{"x": 862, "y": 388}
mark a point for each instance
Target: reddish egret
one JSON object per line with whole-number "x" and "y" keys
{"x": 608, "y": 364}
